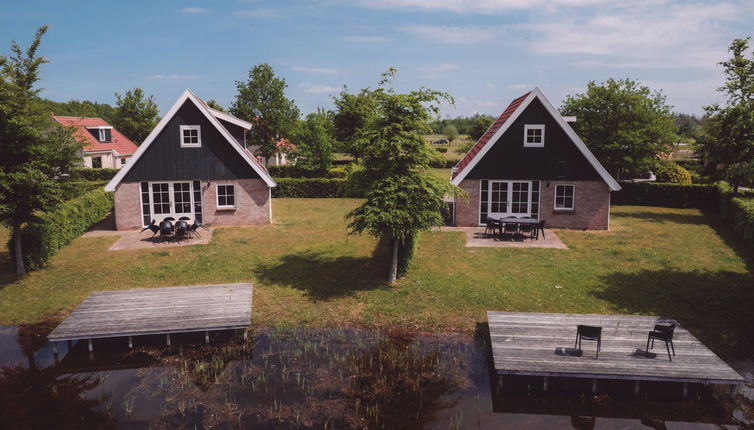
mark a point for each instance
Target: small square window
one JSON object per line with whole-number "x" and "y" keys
{"x": 191, "y": 136}
{"x": 226, "y": 196}
{"x": 564, "y": 197}
{"x": 534, "y": 135}
{"x": 96, "y": 162}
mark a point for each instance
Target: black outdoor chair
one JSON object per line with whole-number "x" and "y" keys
{"x": 510, "y": 228}
{"x": 588, "y": 332}
{"x": 196, "y": 226}
{"x": 152, "y": 227}
{"x": 184, "y": 218}
{"x": 181, "y": 230}
{"x": 662, "y": 332}
{"x": 168, "y": 218}
{"x": 166, "y": 229}
{"x": 540, "y": 227}
{"x": 492, "y": 226}
{"x": 528, "y": 229}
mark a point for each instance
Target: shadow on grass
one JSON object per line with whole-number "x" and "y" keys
{"x": 674, "y": 218}
{"x": 6, "y": 270}
{"x": 714, "y": 306}
{"x": 323, "y": 276}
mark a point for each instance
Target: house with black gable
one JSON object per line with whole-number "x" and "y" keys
{"x": 195, "y": 164}
{"x": 531, "y": 164}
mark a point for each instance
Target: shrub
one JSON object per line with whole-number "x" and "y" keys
{"x": 668, "y": 195}
{"x": 294, "y": 171}
{"x": 406, "y": 251}
{"x": 441, "y": 149}
{"x": 671, "y": 172}
{"x": 53, "y": 230}
{"x": 71, "y": 189}
{"x": 88, "y": 174}
{"x": 442, "y": 164}
{"x": 309, "y": 187}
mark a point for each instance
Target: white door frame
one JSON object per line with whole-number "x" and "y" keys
{"x": 509, "y": 201}
{"x": 171, "y": 194}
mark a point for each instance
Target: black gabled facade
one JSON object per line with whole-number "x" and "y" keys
{"x": 166, "y": 160}
{"x": 559, "y": 159}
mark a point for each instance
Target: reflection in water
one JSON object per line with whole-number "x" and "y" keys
{"x": 302, "y": 378}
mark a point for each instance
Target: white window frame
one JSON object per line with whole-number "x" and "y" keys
{"x": 509, "y": 204}
{"x": 217, "y": 196}
{"x": 171, "y": 196}
{"x": 528, "y": 127}
{"x": 573, "y": 199}
{"x": 198, "y": 129}
{"x": 102, "y": 135}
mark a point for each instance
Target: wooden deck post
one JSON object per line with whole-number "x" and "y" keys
{"x": 544, "y": 384}
{"x": 91, "y": 348}
{"x": 206, "y": 337}
{"x": 594, "y": 385}
{"x": 130, "y": 342}
{"x": 167, "y": 338}
{"x": 636, "y": 388}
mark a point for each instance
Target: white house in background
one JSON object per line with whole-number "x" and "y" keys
{"x": 104, "y": 146}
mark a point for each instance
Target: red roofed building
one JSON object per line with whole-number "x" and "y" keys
{"x": 531, "y": 164}
{"x": 104, "y": 146}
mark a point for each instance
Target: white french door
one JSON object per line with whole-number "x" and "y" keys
{"x": 513, "y": 198}
{"x": 171, "y": 199}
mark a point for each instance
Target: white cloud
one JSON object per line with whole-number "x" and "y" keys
{"x": 474, "y": 6}
{"x": 521, "y": 86}
{"x": 452, "y": 35}
{"x": 316, "y": 89}
{"x": 489, "y": 85}
{"x": 367, "y": 39}
{"x": 316, "y": 70}
{"x": 443, "y": 67}
{"x": 257, "y": 13}
{"x": 183, "y": 77}
{"x": 486, "y": 103}
{"x": 194, "y": 10}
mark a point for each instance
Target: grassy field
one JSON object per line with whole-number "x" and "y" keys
{"x": 451, "y": 154}
{"x": 308, "y": 271}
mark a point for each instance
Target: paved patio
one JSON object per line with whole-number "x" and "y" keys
{"x": 475, "y": 238}
{"x": 134, "y": 239}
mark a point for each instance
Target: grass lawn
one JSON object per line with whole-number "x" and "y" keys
{"x": 308, "y": 271}
{"x": 451, "y": 154}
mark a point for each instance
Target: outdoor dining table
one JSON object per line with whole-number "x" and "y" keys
{"x": 511, "y": 220}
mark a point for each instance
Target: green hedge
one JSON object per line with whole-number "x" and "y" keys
{"x": 312, "y": 188}
{"x": 54, "y": 229}
{"x": 88, "y": 174}
{"x": 442, "y": 164}
{"x": 71, "y": 189}
{"x": 293, "y": 171}
{"x": 705, "y": 197}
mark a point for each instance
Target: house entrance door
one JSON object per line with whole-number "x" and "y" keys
{"x": 171, "y": 199}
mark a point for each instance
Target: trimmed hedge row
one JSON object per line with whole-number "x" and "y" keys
{"x": 294, "y": 171}
{"x": 53, "y": 230}
{"x": 442, "y": 164}
{"x": 88, "y": 174}
{"x": 72, "y": 189}
{"x": 310, "y": 188}
{"x": 739, "y": 213}
{"x": 705, "y": 197}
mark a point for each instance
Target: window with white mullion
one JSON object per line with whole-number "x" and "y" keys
{"x": 511, "y": 198}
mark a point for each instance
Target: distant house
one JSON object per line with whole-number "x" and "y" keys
{"x": 104, "y": 146}
{"x": 195, "y": 164}
{"x": 531, "y": 164}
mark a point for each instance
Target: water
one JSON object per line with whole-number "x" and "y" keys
{"x": 316, "y": 378}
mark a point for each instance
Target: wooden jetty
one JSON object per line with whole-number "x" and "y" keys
{"x": 157, "y": 311}
{"x": 539, "y": 344}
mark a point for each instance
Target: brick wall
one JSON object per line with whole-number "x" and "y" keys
{"x": 591, "y": 208}
{"x": 252, "y": 204}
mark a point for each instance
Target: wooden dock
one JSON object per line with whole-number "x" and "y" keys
{"x": 539, "y": 344}
{"x": 128, "y": 313}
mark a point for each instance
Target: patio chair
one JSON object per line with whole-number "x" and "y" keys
{"x": 181, "y": 230}
{"x": 166, "y": 229}
{"x": 527, "y": 228}
{"x": 492, "y": 225}
{"x": 510, "y": 228}
{"x": 152, "y": 227}
{"x": 196, "y": 226}
{"x": 184, "y": 218}
{"x": 540, "y": 227}
{"x": 663, "y": 332}
{"x": 588, "y": 332}
{"x": 168, "y": 218}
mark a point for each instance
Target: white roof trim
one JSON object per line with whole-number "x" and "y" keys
{"x": 537, "y": 93}
{"x": 187, "y": 95}
{"x": 230, "y": 118}
{"x": 97, "y": 127}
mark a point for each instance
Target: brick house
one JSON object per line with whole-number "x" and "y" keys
{"x": 531, "y": 164}
{"x": 104, "y": 146}
{"x": 194, "y": 163}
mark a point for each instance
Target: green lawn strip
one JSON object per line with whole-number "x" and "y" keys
{"x": 307, "y": 270}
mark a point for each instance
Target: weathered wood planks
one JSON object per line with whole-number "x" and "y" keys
{"x": 541, "y": 344}
{"x": 158, "y": 311}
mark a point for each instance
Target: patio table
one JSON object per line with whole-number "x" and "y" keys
{"x": 503, "y": 221}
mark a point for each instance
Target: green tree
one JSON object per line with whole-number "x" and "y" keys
{"x": 33, "y": 151}
{"x": 450, "y": 132}
{"x": 136, "y": 115}
{"x": 314, "y": 142}
{"x": 403, "y": 198}
{"x": 624, "y": 124}
{"x": 261, "y": 100}
{"x": 215, "y": 105}
{"x": 353, "y": 111}
{"x": 479, "y": 125}
{"x": 728, "y": 133}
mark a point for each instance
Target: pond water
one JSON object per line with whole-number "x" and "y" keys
{"x": 316, "y": 378}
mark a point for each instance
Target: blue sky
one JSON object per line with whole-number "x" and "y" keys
{"x": 483, "y": 52}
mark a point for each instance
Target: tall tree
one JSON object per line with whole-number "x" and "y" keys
{"x": 623, "y": 123}
{"x": 215, "y": 105}
{"x": 353, "y": 111}
{"x": 136, "y": 115}
{"x": 33, "y": 151}
{"x": 314, "y": 141}
{"x": 450, "y": 132}
{"x": 261, "y": 100}
{"x": 728, "y": 133}
{"x": 403, "y": 198}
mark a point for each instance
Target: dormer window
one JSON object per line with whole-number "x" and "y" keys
{"x": 102, "y": 134}
{"x": 534, "y": 135}
{"x": 191, "y": 136}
